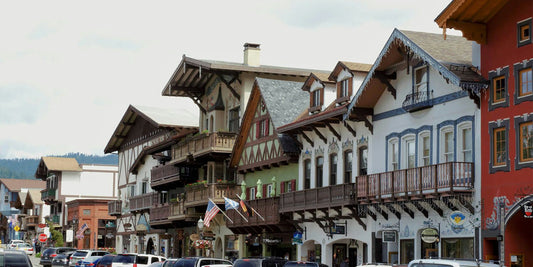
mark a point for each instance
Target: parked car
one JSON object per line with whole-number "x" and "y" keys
{"x": 27, "y": 248}
{"x": 170, "y": 262}
{"x": 90, "y": 261}
{"x": 63, "y": 259}
{"x": 449, "y": 263}
{"x": 304, "y": 264}
{"x": 200, "y": 262}
{"x": 13, "y": 243}
{"x": 14, "y": 258}
{"x": 260, "y": 262}
{"x": 106, "y": 261}
{"x": 50, "y": 253}
{"x": 82, "y": 254}
{"x": 133, "y": 259}
{"x": 156, "y": 264}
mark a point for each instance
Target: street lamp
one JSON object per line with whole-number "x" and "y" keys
{"x": 200, "y": 225}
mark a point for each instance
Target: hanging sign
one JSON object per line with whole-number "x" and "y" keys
{"x": 528, "y": 211}
{"x": 457, "y": 218}
{"x": 429, "y": 235}
{"x": 389, "y": 236}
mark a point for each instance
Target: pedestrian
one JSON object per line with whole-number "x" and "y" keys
{"x": 345, "y": 263}
{"x": 125, "y": 250}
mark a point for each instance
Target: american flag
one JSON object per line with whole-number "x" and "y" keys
{"x": 79, "y": 233}
{"x": 212, "y": 210}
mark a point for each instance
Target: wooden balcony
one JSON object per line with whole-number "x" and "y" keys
{"x": 266, "y": 207}
{"x": 159, "y": 213}
{"x": 318, "y": 198}
{"x": 203, "y": 144}
{"x": 114, "y": 208}
{"x": 30, "y": 222}
{"x": 439, "y": 179}
{"x": 49, "y": 195}
{"x": 198, "y": 195}
{"x": 163, "y": 175}
{"x": 142, "y": 202}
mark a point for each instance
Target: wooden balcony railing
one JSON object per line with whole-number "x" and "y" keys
{"x": 142, "y": 202}
{"x": 198, "y": 195}
{"x": 164, "y": 174}
{"x": 30, "y": 221}
{"x": 316, "y": 198}
{"x": 219, "y": 142}
{"x": 266, "y": 207}
{"x": 114, "y": 207}
{"x": 160, "y": 213}
{"x": 439, "y": 178}
{"x": 48, "y": 194}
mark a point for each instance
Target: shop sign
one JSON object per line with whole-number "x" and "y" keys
{"x": 141, "y": 227}
{"x": 194, "y": 237}
{"x": 528, "y": 211}
{"x": 207, "y": 236}
{"x": 297, "y": 238}
{"x": 337, "y": 229}
{"x": 429, "y": 235}
{"x": 271, "y": 241}
{"x": 457, "y": 218}
{"x": 389, "y": 236}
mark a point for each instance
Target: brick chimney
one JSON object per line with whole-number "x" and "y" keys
{"x": 251, "y": 54}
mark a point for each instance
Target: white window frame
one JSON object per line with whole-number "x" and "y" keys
{"x": 269, "y": 191}
{"x": 393, "y": 143}
{"x": 421, "y": 157}
{"x": 345, "y": 88}
{"x": 252, "y": 193}
{"x": 444, "y": 155}
{"x": 316, "y": 98}
{"x": 405, "y": 150}
{"x": 424, "y": 81}
{"x": 460, "y": 142}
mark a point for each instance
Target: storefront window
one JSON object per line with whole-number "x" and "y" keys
{"x": 458, "y": 248}
{"x": 407, "y": 250}
{"x": 232, "y": 247}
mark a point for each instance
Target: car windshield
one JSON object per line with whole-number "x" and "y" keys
{"x": 124, "y": 258}
{"x": 107, "y": 259}
{"x": 430, "y": 265}
{"x": 300, "y": 264}
{"x": 49, "y": 251}
{"x": 247, "y": 263}
{"x": 15, "y": 260}
{"x": 80, "y": 254}
{"x": 185, "y": 263}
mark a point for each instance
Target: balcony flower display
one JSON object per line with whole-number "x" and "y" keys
{"x": 197, "y": 183}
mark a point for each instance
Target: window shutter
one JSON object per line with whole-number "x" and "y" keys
{"x": 282, "y": 187}
{"x": 322, "y": 96}
{"x": 264, "y": 190}
{"x": 248, "y": 193}
{"x": 350, "y": 86}
{"x": 339, "y": 89}
{"x": 267, "y": 127}
{"x": 293, "y": 185}
{"x": 257, "y": 128}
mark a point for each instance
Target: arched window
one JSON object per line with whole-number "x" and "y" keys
{"x": 319, "y": 172}
{"x": 348, "y": 156}
{"x": 307, "y": 174}
{"x": 333, "y": 169}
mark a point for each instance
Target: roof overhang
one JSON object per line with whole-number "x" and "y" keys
{"x": 470, "y": 17}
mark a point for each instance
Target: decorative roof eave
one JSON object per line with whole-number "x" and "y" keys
{"x": 338, "y": 111}
{"x": 419, "y": 53}
{"x": 219, "y": 104}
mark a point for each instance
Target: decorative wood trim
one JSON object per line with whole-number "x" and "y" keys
{"x": 320, "y": 135}
{"x": 349, "y": 128}
{"x": 333, "y": 131}
{"x": 380, "y": 211}
{"x": 232, "y": 90}
{"x": 307, "y": 138}
{"x": 383, "y": 78}
{"x": 408, "y": 210}
{"x": 471, "y": 31}
{"x": 421, "y": 209}
{"x": 394, "y": 211}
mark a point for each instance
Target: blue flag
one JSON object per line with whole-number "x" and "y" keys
{"x": 231, "y": 204}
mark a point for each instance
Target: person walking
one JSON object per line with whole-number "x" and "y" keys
{"x": 345, "y": 263}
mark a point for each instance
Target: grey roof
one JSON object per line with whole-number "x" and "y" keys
{"x": 162, "y": 116}
{"x": 284, "y": 100}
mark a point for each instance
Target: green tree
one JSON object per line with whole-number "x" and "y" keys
{"x": 57, "y": 236}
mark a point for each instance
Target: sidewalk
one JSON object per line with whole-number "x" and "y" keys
{"x": 35, "y": 260}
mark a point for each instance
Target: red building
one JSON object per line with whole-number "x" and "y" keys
{"x": 502, "y": 32}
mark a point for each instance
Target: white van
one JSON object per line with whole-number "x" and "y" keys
{"x": 449, "y": 263}
{"x": 135, "y": 260}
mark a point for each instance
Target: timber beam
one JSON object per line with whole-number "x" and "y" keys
{"x": 349, "y": 128}
{"x": 421, "y": 209}
{"x": 436, "y": 208}
{"x": 307, "y": 138}
{"x": 407, "y": 210}
{"x": 320, "y": 135}
{"x": 381, "y": 211}
{"x": 228, "y": 85}
{"x": 466, "y": 204}
{"x": 384, "y": 79}
{"x": 333, "y": 131}
{"x": 394, "y": 211}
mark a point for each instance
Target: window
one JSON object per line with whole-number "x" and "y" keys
{"x": 287, "y": 187}
{"x": 500, "y": 147}
{"x": 425, "y": 149}
{"x": 234, "y": 120}
{"x": 262, "y": 128}
{"x": 319, "y": 171}
{"x": 410, "y": 152}
{"x": 499, "y": 141}
{"x": 448, "y": 145}
{"x": 269, "y": 191}
{"x": 524, "y": 32}
{"x": 524, "y": 141}
{"x": 465, "y": 143}
{"x": 344, "y": 90}
{"x": 345, "y": 86}
{"x": 316, "y": 98}
{"x": 420, "y": 79}
{"x": 6, "y": 198}
{"x": 144, "y": 187}
{"x": 307, "y": 174}
{"x": 347, "y": 166}
{"x": 252, "y": 193}
{"x": 131, "y": 190}
{"x": 393, "y": 155}
{"x": 333, "y": 169}
{"x": 498, "y": 85}
{"x": 523, "y": 81}
{"x": 86, "y": 212}
{"x": 499, "y": 96}
{"x": 363, "y": 160}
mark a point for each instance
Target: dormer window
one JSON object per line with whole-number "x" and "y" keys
{"x": 344, "y": 90}
{"x": 317, "y": 98}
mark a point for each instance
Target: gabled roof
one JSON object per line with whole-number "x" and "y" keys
{"x": 158, "y": 117}
{"x": 14, "y": 185}
{"x": 284, "y": 100}
{"x": 321, "y": 77}
{"x": 450, "y": 57}
{"x": 35, "y": 196}
{"x": 470, "y": 17}
{"x": 61, "y": 164}
{"x": 350, "y": 66}
{"x": 193, "y": 75}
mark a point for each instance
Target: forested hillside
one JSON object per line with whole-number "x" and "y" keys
{"x": 25, "y": 168}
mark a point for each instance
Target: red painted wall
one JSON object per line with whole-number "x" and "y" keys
{"x": 501, "y": 50}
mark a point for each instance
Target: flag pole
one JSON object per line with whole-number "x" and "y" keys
{"x": 240, "y": 214}
{"x": 221, "y": 211}
{"x": 253, "y": 209}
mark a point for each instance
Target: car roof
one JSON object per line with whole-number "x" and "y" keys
{"x": 458, "y": 262}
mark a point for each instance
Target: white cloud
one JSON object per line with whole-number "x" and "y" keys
{"x": 69, "y": 69}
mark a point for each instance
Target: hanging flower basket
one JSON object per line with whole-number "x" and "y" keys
{"x": 202, "y": 244}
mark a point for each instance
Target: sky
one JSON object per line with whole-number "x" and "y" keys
{"x": 70, "y": 69}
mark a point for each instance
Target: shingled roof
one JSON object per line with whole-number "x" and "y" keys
{"x": 61, "y": 164}
{"x": 15, "y": 185}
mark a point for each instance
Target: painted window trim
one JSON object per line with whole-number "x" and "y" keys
{"x": 410, "y": 131}
{"x": 413, "y": 77}
{"x": 307, "y": 160}
{"x": 312, "y": 106}
{"x": 519, "y": 25}
{"x": 526, "y": 64}
{"x": 345, "y": 168}
{"x": 420, "y": 148}
{"x": 340, "y": 86}
{"x": 460, "y": 126}
{"x": 333, "y": 171}
{"x": 406, "y": 138}
{"x": 517, "y": 121}
{"x": 503, "y": 72}
{"x": 494, "y": 125}
{"x": 316, "y": 172}
{"x": 455, "y": 123}
{"x": 392, "y": 138}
